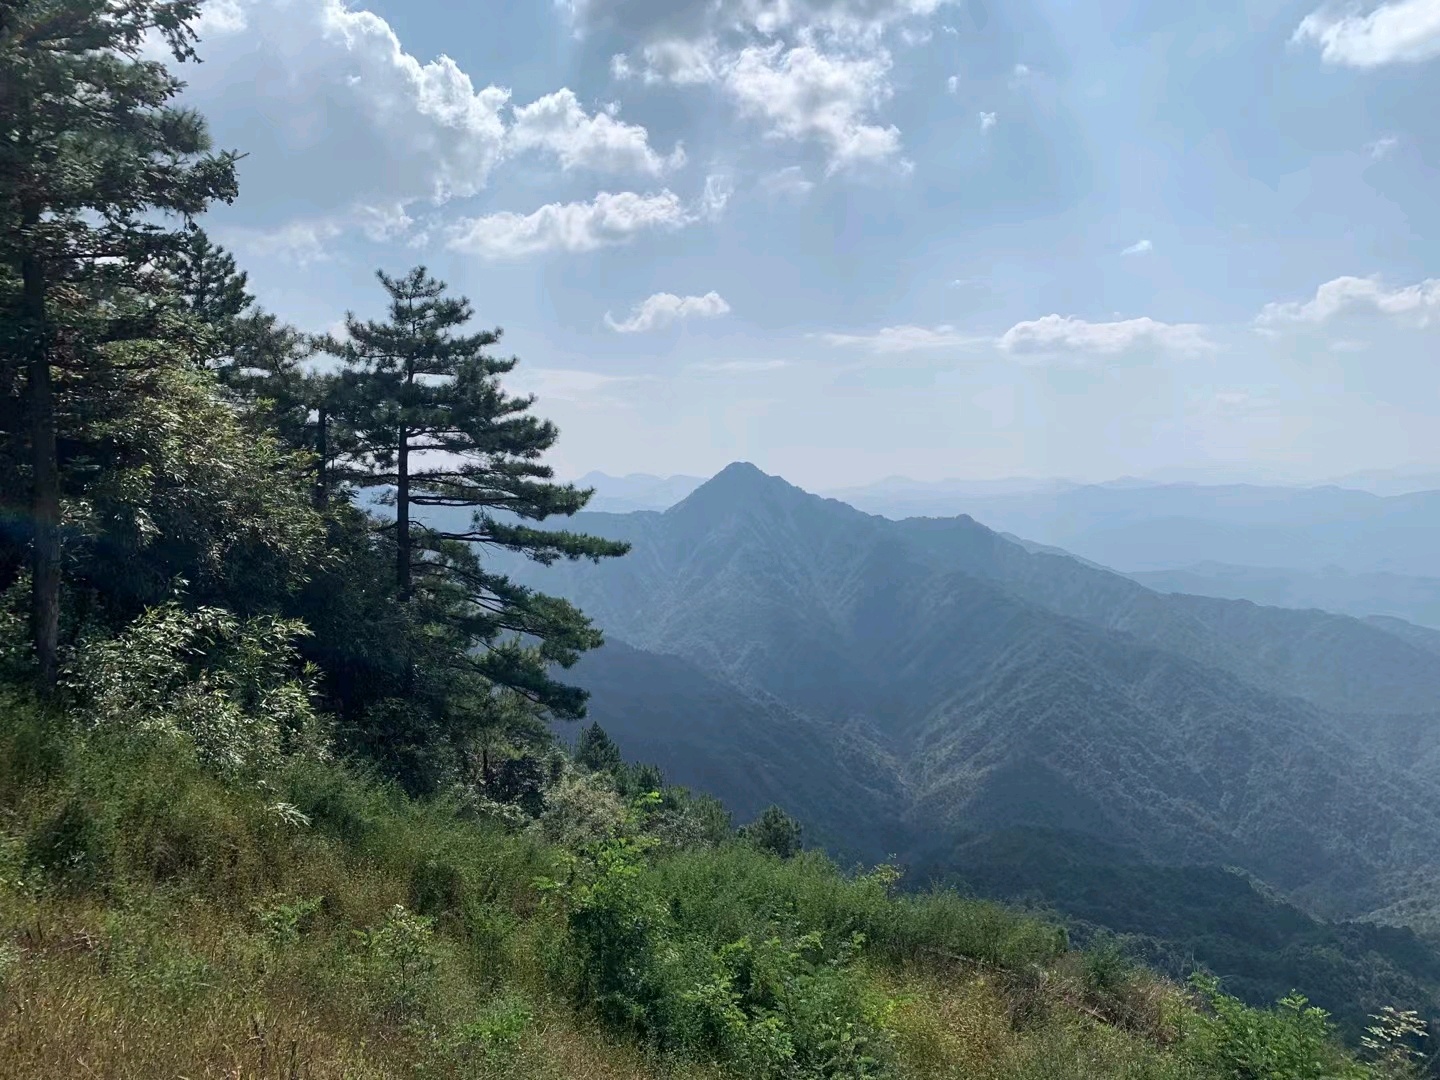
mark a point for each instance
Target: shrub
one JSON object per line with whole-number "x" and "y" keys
{"x": 399, "y": 962}
{"x": 233, "y": 688}
{"x": 1293, "y": 1041}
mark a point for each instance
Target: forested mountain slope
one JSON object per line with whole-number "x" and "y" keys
{"x": 1002, "y": 687}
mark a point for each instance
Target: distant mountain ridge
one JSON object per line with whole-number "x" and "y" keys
{"x": 1414, "y": 599}
{"x": 1142, "y": 528}
{"x": 960, "y": 682}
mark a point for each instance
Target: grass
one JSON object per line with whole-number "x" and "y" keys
{"x": 156, "y": 921}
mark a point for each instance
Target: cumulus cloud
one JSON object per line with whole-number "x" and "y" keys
{"x": 1401, "y": 31}
{"x": 681, "y": 62}
{"x": 337, "y": 116}
{"x": 801, "y": 93}
{"x": 952, "y": 84}
{"x": 1066, "y": 333}
{"x": 1140, "y": 247}
{"x": 988, "y": 120}
{"x": 606, "y": 220}
{"x": 662, "y": 309}
{"x": 903, "y": 339}
{"x": 813, "y": 70}
{"x": 1417, "y": 303}
{"x": 557, "y": 123}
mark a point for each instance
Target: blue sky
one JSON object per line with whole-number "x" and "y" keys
{"x": 846, "y": 239}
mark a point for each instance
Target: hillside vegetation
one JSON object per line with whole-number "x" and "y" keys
{"x": 156, "y": 920}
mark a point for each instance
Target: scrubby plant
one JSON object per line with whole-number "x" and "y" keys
{"x": 233, "y": 688}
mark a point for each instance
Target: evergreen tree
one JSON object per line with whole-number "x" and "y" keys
{"x": 774, "y": 831}
{"x": 208, "y": 283}
{"x": 433, "y": 427}
{"x": 92, "y": 149}
{"x": 425, "y": 420}
{"x": 596, "y": 750}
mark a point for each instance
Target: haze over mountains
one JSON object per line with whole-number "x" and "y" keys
{"x": 1334, "y": 548}
{"x": 999, "y": 713}
{"x": 945, "y": 681}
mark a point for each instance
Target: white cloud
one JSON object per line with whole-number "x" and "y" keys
{"x": 1381, "y": 147}
{"x": 338, "y": 116}
{"x": 787, "y": 183}
{"x": 1061, "y": 333}
{"x": 681, "y": 62}
{"x": 716, "y": 196}
{"x": 802, "y": 93}
{"x": 952, "y": 84}
{"x": 430, "y": 113}
{"x": 600, "y": 142}
{"x": 219, "y": 17}
{"x": 1140, "y": 247}
{"x": 1021, "y": 71}
{"x": 662, "y": 309}
{"x": 810, "y": 72}
{"x": 903, "y": 339}
{"x": 1416, "y": 302}
{"x": 606, "y": 220}
{"x": 1401, "y": 31}
{"x": 987, "y": 120}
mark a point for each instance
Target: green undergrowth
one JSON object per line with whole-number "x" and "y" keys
{"x": 159, "y": 921}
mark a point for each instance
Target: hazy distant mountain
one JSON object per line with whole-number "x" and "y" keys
{"x": 1146, "y": 528}
{"x": 637, "y": 491}
{"x": 972, "y": 685}
{"x": 1401, "y": 481}
{"x": 1415, "y": 599}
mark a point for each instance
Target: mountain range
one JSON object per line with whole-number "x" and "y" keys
{"x": 911, "y": 684}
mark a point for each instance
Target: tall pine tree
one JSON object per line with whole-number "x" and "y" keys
{"x": 91, "y": 148}
{"x": 426, "y": 421}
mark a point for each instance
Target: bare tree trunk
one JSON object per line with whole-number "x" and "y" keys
{"x": 45, "y": 478}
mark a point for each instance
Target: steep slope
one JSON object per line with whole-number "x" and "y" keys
{"x": 1001, "y": 687}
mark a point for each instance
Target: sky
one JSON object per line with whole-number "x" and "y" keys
{"x": 848, "y": 239}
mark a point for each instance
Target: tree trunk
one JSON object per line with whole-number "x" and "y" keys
{"x": 322, "y": 475}
{"x": 45, "y": 479}
{"x": 402, "y": 516}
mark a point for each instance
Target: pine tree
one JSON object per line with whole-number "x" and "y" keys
{"x": 432, "y": 425}
{"x": 92, "y": 149}
{"x": 776, "y": 832}
{"x": 422, "y": 416}
{"x": 208, "y": 283}
{"x": 596, "y": 750}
